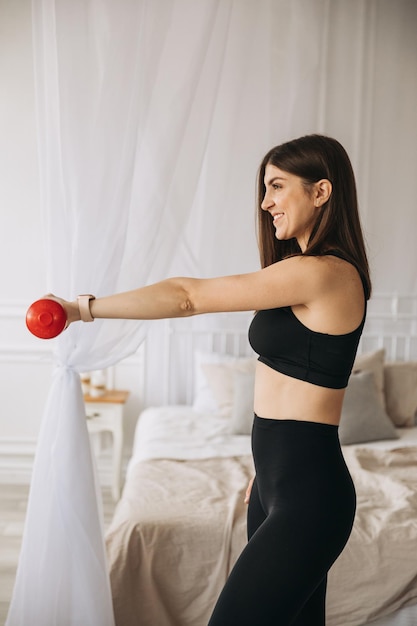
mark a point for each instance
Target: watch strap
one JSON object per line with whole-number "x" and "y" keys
{"x": 84, "y": 307}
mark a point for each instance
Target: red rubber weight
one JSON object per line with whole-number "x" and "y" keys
{"x": 46, "y": 318}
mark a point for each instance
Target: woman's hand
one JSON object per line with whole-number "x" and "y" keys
{"x": 71, "y": 308}
{"x": 248, "y": 490}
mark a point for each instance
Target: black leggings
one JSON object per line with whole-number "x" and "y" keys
{"x": 300, "y": 516}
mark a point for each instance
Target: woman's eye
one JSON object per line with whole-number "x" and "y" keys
{"x": 276, "y": 186}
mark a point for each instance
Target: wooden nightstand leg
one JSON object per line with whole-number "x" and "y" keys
{"x": 117, "y": 461}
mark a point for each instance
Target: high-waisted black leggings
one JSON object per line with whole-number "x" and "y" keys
{"x": 300, "y": 516}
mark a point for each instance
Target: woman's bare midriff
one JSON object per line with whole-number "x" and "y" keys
{"x": 278, "y": 396}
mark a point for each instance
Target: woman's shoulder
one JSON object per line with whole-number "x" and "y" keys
{"x": 326, "y": 274}
{"x": 320, "y": 267}
{"x": 331, "y": 262}
{"x": 337, "y": 302}
{"x": 335, "y": 270}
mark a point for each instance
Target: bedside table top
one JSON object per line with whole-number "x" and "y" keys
{"x": 110, "y": 396}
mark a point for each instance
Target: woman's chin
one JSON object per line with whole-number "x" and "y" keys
{"x": 281, "y": 236}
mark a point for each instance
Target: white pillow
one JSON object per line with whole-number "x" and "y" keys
{"x": 204, "y": 400}
{"x": 363, "y": 418}
{"x": 220, "y": 378}
{"x": 242, "y": 411}
{"x": 400, "y": 386}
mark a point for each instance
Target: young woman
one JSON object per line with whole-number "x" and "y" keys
{"x": 310, "y": 298}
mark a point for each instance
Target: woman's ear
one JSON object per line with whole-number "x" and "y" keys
{"x": 322, "y": 192}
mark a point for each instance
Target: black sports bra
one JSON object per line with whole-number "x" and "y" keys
{"x": 289, "y": 347}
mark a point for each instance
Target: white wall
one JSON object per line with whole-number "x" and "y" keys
{"x": 20, "y": 254}
{"x": 23, "y": 384}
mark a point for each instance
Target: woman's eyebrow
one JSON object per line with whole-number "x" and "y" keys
{"x": 272, "y": 180}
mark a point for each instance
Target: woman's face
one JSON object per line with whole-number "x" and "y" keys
{"x": 292, "y": 208}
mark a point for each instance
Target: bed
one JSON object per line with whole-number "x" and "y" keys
{"x": 180, "y": 523}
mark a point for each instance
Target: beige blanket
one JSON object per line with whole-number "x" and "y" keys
{"x": 377, "y": 572}
{"x": 181, "y": 524}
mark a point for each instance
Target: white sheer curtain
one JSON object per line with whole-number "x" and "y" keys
{"x": 126, "y": 95}
{"x": 152, "y": 119}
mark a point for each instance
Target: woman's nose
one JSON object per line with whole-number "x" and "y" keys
{"x": 266, "y": 203}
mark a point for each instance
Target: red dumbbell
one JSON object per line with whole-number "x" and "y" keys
{"x": 46, "y": 318}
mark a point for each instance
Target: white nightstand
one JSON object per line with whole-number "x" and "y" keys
{"x": 105, "y": 414}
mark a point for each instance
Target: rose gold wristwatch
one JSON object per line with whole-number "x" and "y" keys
{"x": 84, "y": 307}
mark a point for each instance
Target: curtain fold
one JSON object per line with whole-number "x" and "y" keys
{"x": 152, "y": 119}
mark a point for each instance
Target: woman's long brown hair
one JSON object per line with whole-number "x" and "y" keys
{"x": 337, "y": 226}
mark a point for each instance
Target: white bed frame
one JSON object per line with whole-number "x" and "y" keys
{"x": 392, "y": 324}
{"x": 171, "y": 345}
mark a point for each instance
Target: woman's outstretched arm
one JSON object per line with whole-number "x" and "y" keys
{"x": 296, "y": 280}
{"x": 173, "y": 297}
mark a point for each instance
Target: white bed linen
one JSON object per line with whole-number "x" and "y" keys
{"x": 197, "y": 436}
{"x": 406, "y": 616}
{"x": 200, "y": 436}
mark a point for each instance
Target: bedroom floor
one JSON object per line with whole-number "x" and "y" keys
{"x": 13, "y": 502}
